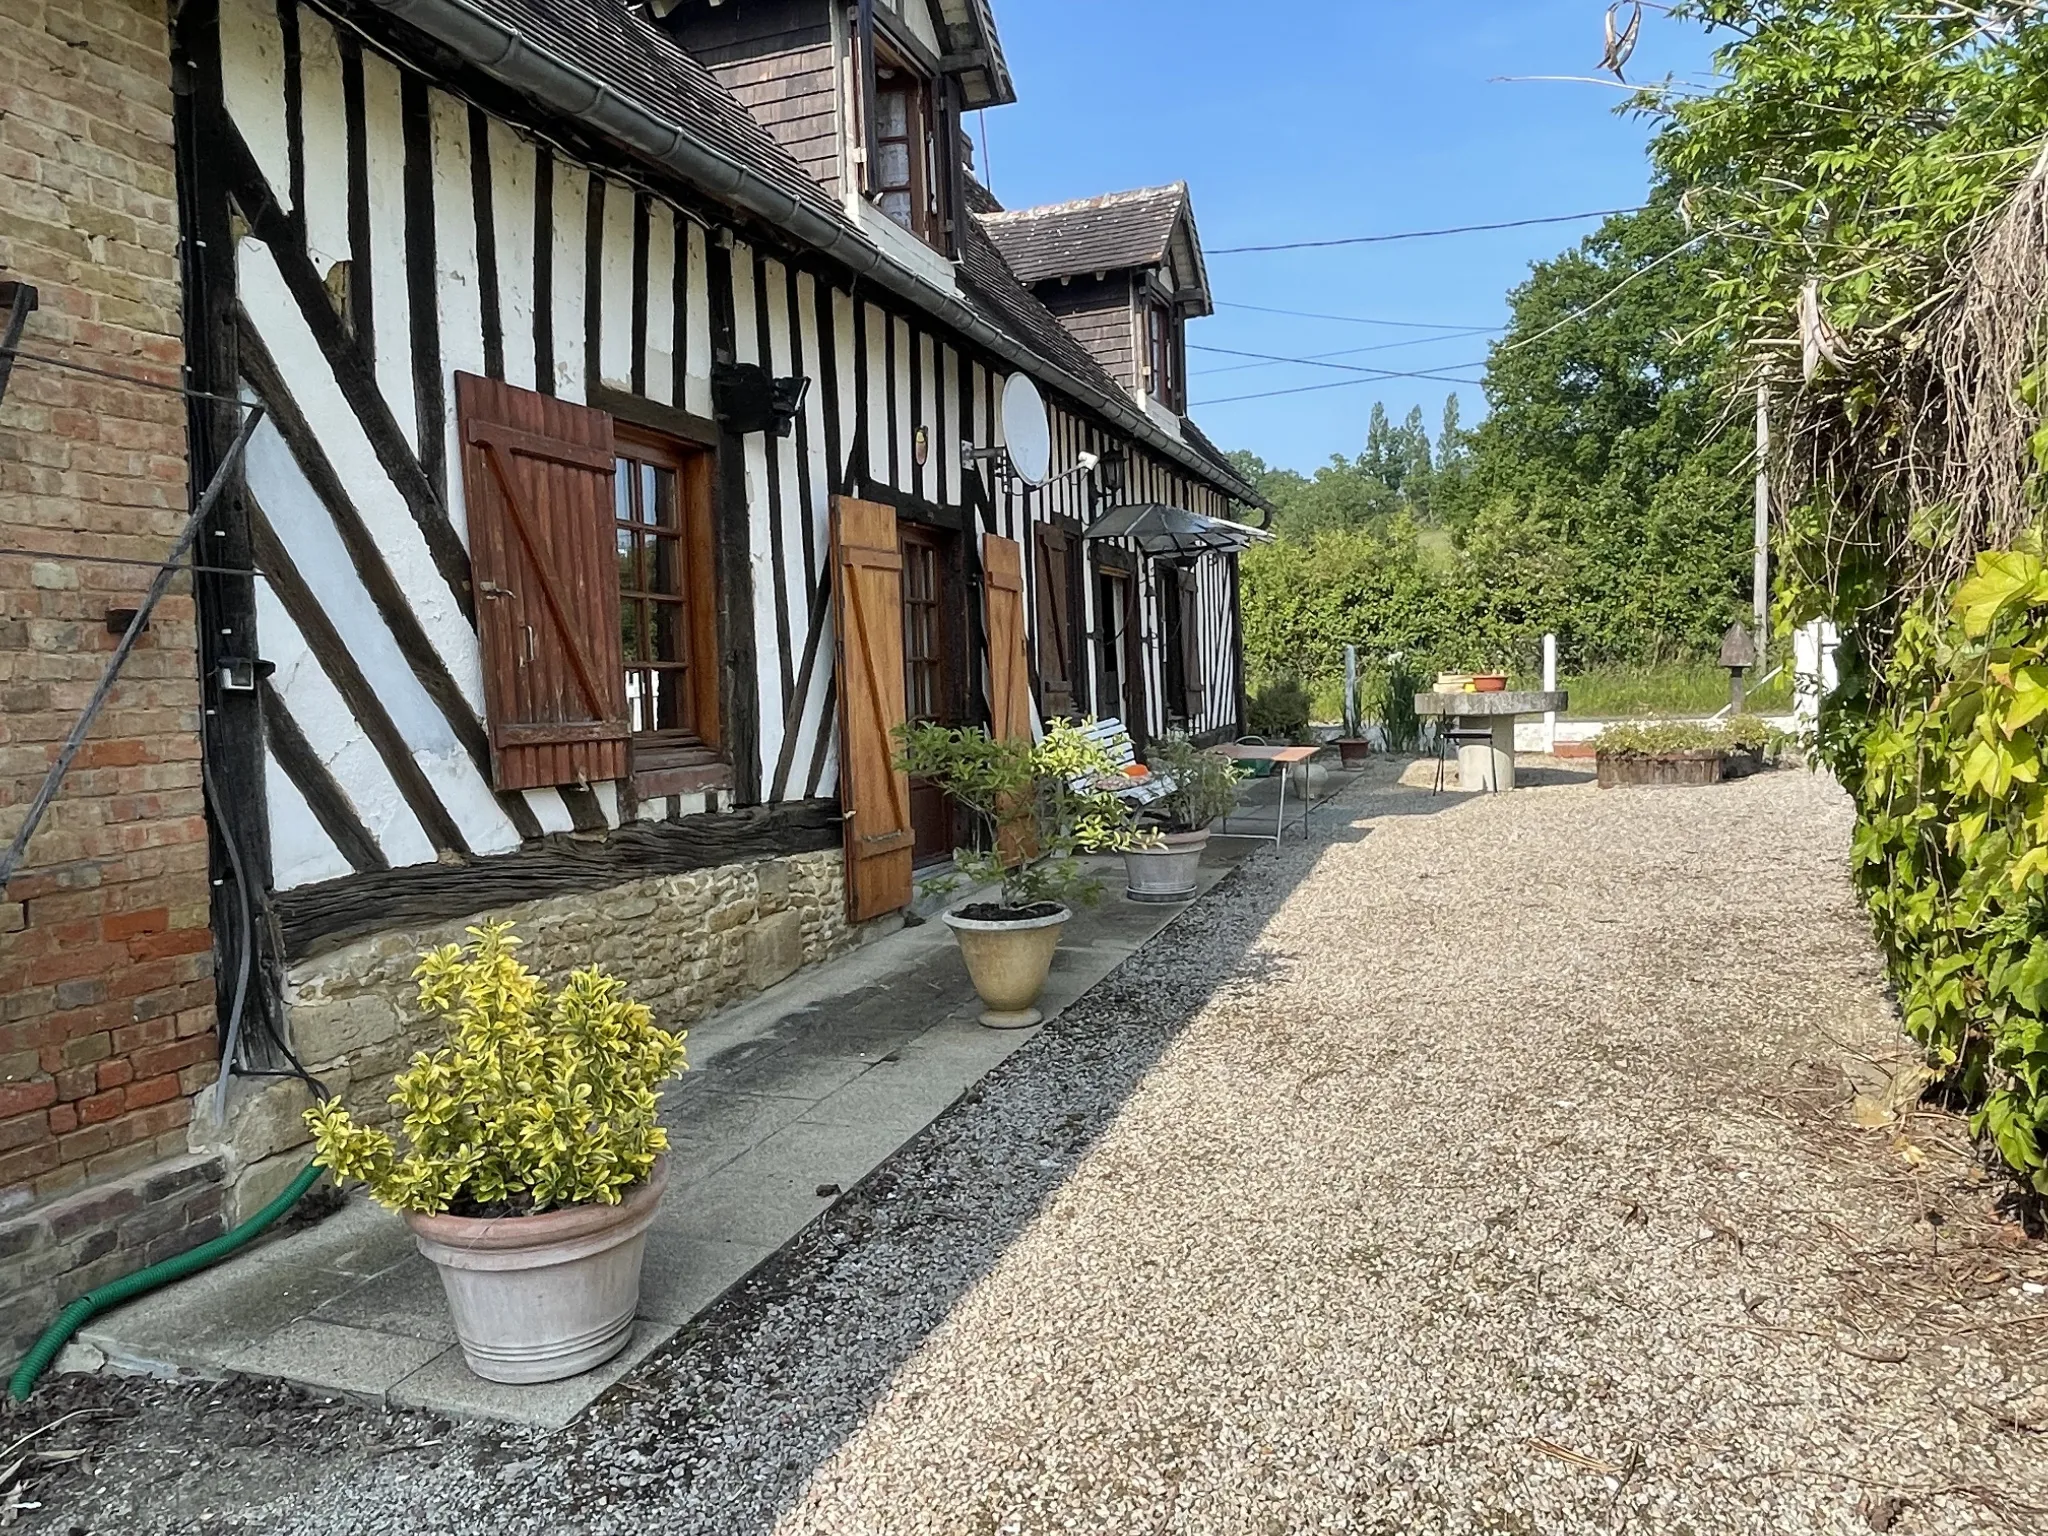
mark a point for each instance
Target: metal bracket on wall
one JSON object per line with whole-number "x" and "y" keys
{"x": 172, "y": 564}
{"x": 18, "y": 301}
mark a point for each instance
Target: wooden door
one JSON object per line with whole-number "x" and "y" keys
{"x": 537, "y": 475}
{"x": 867, "y": 591}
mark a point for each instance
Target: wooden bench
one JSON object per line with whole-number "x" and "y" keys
{"x": 1114, "y": 740}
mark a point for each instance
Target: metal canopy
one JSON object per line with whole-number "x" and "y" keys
{"x": 1158, "y": 529}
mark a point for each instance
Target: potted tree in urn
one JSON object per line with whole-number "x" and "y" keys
{"x": 1162, "y": 860}
{"x": 1039, "y": 806}
{"x": 533, "y": 1163}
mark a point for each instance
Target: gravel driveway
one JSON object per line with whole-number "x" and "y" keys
{"x": 1485, "y": 1166}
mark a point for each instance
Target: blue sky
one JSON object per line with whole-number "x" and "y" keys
{"x": 1314, "y": 119}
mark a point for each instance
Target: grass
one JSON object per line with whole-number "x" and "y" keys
{"x": 1665, "y": 691}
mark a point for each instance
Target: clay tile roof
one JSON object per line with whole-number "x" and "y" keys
{"x": 1092, "y": 234}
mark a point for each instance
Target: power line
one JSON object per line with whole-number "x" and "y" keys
{"x": 1424, "y": 234}
{"x": 1310, "y": 389}
{"x": 1315, "y": 359}
{"x": 1404, "y": 325}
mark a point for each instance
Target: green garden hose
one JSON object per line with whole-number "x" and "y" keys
{"x": 114, "y": 1292}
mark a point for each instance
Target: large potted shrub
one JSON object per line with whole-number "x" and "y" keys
{"x": 1163, "y": 858}
{"x": 533, "y": 1163}
{"x": 1037, "y": 807}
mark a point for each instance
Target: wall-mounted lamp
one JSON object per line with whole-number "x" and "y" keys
{"x": 1109, "y": 472}
{"x": 747, "y": 399}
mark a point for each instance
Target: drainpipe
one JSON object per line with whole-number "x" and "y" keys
{"x": 500, "y": 51}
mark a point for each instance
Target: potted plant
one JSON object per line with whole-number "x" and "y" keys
{"x": 1675, "y": 752}
{"x": 533, "y": 1164}
{"x": 1038, "y": 807}
{"x": 1754, "y": 746}
{"x": 1353, "y": 746}
{"x": 1162, "y": 860}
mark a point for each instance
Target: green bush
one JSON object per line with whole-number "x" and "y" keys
{"x": 1951, "y": 844}
{"x": 538, "y": 1100}
{"x": 1280, "y": 710}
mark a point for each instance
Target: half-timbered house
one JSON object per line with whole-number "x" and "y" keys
{"x": 633, "y": 462}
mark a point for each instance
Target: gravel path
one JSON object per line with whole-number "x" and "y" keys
{"x": 1482, "y": 1167}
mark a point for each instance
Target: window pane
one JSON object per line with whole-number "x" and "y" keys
{"x": 657, "y": 496}
{"x": 893, "y": 169}
{"x": 666, "y": 632}
{"x": 665, "y": 566}
{"x": 622, "y": 490}
{"x": 896, "y": 205}
{"x": 893, "y": 115}
{"x": 632, "y": 628}
{"x": 629, "y": 562}
{"x": 667, "y": 709}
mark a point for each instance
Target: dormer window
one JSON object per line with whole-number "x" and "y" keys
{"x": 1162, "y": 356}
{"x": 906, "y": 181}
{"x": 906, "y": 131}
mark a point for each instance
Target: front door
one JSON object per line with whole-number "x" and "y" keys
{"x": 1117, "y": 686}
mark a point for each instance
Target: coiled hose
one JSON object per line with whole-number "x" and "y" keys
{"x": 114, "y": 1292}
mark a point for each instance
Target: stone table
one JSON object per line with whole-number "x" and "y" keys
{"x": 1487, "y": 764}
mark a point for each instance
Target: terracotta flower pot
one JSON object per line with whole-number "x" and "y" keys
{"x": 1009, "y": 962}
{"x": 538, "y": 1298}
{"x": 1354, "y": 751}
{"x": 1168, "y": 873}
{"x": 1490, "y": 682}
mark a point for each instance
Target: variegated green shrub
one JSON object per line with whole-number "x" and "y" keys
{"x": 539, "y": 1099}
{"x": 1951, "y": 848}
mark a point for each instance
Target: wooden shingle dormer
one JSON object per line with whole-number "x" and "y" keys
{"x": 1124, "y": 273}
{"x": 867, "y": 95}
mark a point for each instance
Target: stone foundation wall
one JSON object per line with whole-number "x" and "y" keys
{"x": 685, "y": 945}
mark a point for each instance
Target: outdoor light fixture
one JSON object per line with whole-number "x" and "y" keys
{"x": 747, "y": 399}
{"x": 1109, "y": 471}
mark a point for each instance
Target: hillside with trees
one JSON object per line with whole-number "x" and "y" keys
{"x": 1604, "y": 498}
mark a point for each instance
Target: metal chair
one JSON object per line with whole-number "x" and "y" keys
{"x": 1449, "y": 738}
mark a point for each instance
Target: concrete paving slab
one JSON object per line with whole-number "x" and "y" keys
{"x": 205, "y": 1322}
{"x": 361, "y": 1362}
{"x": 406, "y": 1299}
{"x": 685, "y": 1273}
{"x": 811, "y": 1085}
{"x": 446, "y": 1385}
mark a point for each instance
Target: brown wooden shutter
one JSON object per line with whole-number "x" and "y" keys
{"x": 867, "y": 591}
{"x": 864, "y": 86}
{"x": 1056, "y": 668}
{"x": 537, "y": 478}
{"x": 1193, "y": 686}
{"x": 1009, "y": 677}
{"x": 1009, "y": 668}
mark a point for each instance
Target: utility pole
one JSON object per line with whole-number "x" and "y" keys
{"x": 1763, "y": 523}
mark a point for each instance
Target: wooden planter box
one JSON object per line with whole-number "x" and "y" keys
{"x": 1666, "y": 769}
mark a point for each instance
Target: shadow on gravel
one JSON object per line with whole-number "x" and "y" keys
{"x": 726, "y": 1426}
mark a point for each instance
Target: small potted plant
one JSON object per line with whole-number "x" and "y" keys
{"x": 1353, "y": 747}
{"x": 1039, "y": 807}
{"x": 534, "y": 1160}
{"x": 1162, "y": 861}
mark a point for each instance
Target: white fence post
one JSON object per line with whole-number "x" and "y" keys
{"x": 1550, "y": 686}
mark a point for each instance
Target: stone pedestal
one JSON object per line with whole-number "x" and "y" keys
{"x": 1488, "y": 765}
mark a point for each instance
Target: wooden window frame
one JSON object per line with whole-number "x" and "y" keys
{"x": 701, "y": 745}
{"x": 1162, "y": 354}
{"x": 930, "y": 544}
{"x": 929, "y": 151}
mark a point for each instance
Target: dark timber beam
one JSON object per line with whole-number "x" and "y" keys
{"x": 317, "y": 918}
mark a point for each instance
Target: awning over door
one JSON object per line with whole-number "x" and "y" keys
{"x": 1174, "y": 532}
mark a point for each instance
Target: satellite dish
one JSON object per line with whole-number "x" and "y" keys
{"x": 1025, "y": 430}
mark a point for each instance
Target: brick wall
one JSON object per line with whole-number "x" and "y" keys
{"x": 106, "y": 994}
